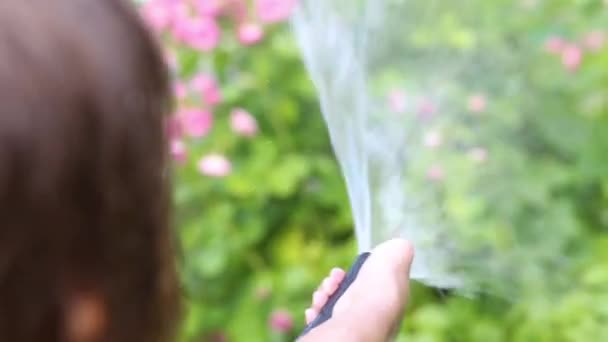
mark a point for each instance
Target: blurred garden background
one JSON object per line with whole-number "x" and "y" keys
{"x": 262, "y": 211}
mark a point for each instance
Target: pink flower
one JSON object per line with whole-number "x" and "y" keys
{"x": 478, "y": 154}
{"x": 201, "y": 33}
{"x": 595, "y": 40}
{"x": 196, "y": 123}
{"x": 180, "y": 90}
{"x": 426, "y": 109}
{"x": 209, "y": 7}
{"x": 555, "y": 44}
{"x": 272, "y": 11}
{"x": 180, "y": 9}
{"x": 208, "y": 88}
{"x": 250, "y": 33}
{"x": 178, "y": 151}
{"x": 477, "y": 103}
{"x": 236, "y": 9}
{"x": 174, "y": 128}
{"x": 243, "y": 123}
{"x": 572, "y": 56}
{"x": 433, "y": 139}
{"x": 157, "y": 14}
{"x": 396, "y": 101}
{"x": 435, "y": 173}
{"x": 214, "y": 165}
{"x": 281, "y": 321}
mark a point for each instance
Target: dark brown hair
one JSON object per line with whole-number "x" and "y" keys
{"x": 85, "y": 245}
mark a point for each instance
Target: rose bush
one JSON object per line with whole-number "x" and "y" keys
{"x": 262, "y": 210}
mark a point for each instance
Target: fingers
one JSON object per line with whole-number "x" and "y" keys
{"x": 331, "y": 283}
{"x": 319, "y": 298}
{"x": 310, "y": 315}
{"x": 328, "y": 286}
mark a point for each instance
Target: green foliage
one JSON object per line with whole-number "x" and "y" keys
{"x": 281, "y": 219}
{"x": 263, "y": 237}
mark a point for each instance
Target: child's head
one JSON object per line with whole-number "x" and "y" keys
{"x": 85, "y": 245}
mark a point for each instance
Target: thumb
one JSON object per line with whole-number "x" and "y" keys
{"x": 397, "y": 254}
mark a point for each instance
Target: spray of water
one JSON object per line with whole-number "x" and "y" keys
{"x": 401, "y": 85}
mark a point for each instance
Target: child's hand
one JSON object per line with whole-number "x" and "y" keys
{"x": 372, "y": 307}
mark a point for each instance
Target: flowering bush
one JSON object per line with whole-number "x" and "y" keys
{"x": 262, "y": 208}
{"x": 248, "y": 143}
